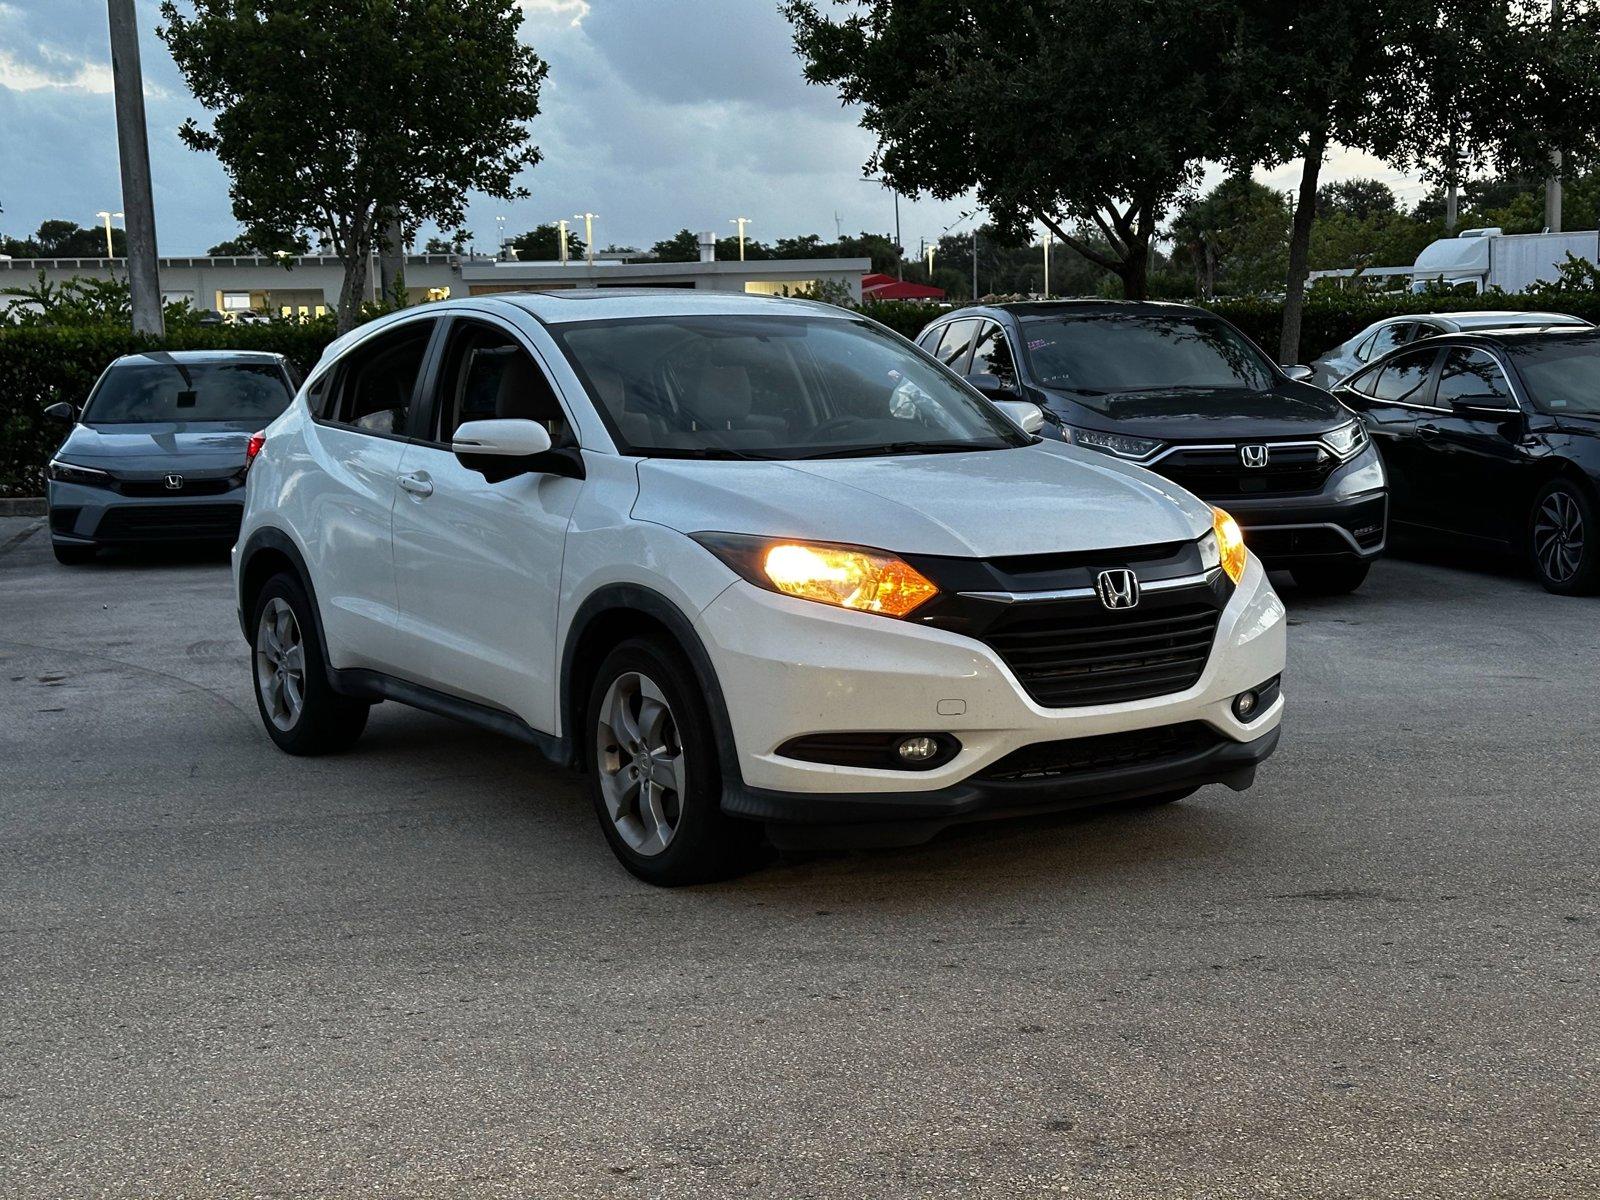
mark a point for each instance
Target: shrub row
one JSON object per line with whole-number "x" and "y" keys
{"x": 40, "y": 365}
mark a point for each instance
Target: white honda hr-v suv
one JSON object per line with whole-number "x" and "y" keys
{"x": 750, "y": 564}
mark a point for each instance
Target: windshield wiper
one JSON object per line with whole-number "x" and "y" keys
{"x": 899, "y": 448}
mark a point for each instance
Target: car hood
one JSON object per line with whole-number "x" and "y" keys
{"x": 1047, "y": 498}
{"x": 1228, "y": 414}
{"x": 158, "y": 446}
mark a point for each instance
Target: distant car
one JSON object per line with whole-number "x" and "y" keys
{"x": 158, "y": 452}
{"x": 1391, "y": 333}
{"x": 1180, "y": 391}
{"x": 1493, "y": 438}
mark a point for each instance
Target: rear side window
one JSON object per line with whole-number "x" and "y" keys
{"x": 929, "y": 341}
{"x": 1390, "y": 337}
{"x": 378, "y": 380}
{"x": 487, "y": 375}
{"x": 1475, "y": 374}
{"x": 1405, "y": 379}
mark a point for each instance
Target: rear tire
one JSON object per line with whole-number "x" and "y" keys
{"x": 72, "y": 556}
{"x": 299, "y": 708}
{"x": 653, "y": 771}
{"x": 1330, "y": 579}
{"x": 1564, "y": 539}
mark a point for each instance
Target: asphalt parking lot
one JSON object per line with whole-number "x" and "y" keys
{"x": 416, "y": 970}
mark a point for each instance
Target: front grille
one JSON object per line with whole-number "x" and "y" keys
{"x": 1105, "y": 752}
{"x": 1072, "y": 653}
{"x": 1215, "y": 472}
{"x": 191, "y": 487}
{"x": 160, "y": 522}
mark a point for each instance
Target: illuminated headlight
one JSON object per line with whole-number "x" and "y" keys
{"x": 1119, "y": 444}
{"x": 1346, "y": 440}
{"x": 67, "y": 473}
{"x": 844, "y": 576}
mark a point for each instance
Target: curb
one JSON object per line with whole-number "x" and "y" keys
{"x": 24, "y": 506}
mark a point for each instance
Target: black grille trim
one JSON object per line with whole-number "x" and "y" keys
{"x": 1103, "y": 752}
{"x": 164, "y": 522}
{"x": 1214, "y": 472}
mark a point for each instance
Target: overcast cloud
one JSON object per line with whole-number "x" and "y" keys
{"x": 657, "y": 115}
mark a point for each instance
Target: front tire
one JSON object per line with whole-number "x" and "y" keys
{"x": 653, "y": 770}
{"x": 1330, "y": 579}
{"x": 1564, "y": 539}
{"x": 301, "y": 711}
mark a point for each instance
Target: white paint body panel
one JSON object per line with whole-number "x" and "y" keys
{"x": 472, "y": 590}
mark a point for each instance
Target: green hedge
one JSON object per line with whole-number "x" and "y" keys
{"x": 42, "y": 364}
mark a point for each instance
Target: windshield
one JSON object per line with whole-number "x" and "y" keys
{"x": 1109, "y": 353}
{"x": 780, "y": 387}
{"x": 215, "y": 391}
{"x": 1562, "y": 374}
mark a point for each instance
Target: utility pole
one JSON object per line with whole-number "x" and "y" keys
{"x": 899, "y": 248}
{"x": 127, "y": 84}
{"x": 1047, "y": 264}
{"x": 1552, "y": 185}
{"x": 974, "y": 264}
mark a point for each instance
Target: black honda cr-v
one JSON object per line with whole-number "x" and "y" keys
{"x": 1183, "y": 393}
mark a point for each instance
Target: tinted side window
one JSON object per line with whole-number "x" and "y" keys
{"x": 1473, "y": 373}
{"x": 991, "y": 354}
{"x": 1405, "y": 379}
{"x": 317, "y": 395}
{"x": 929, "y": 340}
{"x": 487, "y": 375}
{"x": 1390, "y": 337}
{"x": 955, "y": 342}
{"x": 378, "y": 380}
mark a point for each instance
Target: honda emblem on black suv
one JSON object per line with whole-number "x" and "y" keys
{"x": 1253, "y": 456}
{"x": 174, "y": 483}
{"x": 1118, "y": 589}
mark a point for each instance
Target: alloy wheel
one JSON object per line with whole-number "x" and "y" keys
{"x": 1558, "y": 536}
{"x": 280, "y": 664}
{"x": 641, "y": 763}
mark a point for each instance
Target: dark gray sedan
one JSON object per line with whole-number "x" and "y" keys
{"x": 158, "y": 453}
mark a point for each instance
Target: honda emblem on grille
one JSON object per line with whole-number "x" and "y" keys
{"x": 1118, "y": 589}
{"x": 174, "y": 483}
{"x": 1253, "y": 456}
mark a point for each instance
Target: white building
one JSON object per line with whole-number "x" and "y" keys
{"x": 309, "y": 285}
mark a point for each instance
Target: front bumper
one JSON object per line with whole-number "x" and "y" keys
{"x": 1285, "y": 530}
{"x": 98, "y": 516}
{"x": 790, "y": 668}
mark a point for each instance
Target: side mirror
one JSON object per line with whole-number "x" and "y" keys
{"x": 503, "y": 448}
{"x": 1298, "y": 372}
{"x": 993, "y": 386}
{"x": 61, "y": 411}
{"x": 1025, "y": 415}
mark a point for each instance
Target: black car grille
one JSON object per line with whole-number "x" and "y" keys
{"x": 1073, "y": 653}
{"x": 1217, "y": 472}
{"x": 189, "y": 487}
{"x": 1105, "y": 752}
{"x": 159, "y": 522}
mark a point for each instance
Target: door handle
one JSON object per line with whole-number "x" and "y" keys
{"x": 1428, "y": 432}
{"x": 418, "y": 484}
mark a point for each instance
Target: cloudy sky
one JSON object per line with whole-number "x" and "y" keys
{"x": 658, "y": 115}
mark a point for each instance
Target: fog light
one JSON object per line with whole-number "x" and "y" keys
{"x": 1244, "y": 704}
{"x": 917, "y": 749}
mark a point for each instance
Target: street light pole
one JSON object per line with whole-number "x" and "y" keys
{"x": 562, "y": 226}
{"x": 741, "y": 222}
{"x": 127, "y": 84}
{"x": 106, "y": 217}
{"x": 588, "y": 219}
{"x": 930, "y": 251}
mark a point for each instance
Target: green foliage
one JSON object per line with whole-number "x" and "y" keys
{"x": 43, "y": 364}
{"x": 263, "y": 242}
{"x": 542, "y": 243}
{"x": 344, "y": 117}
{"x": 1234, "y": 239}
{"x": 78, "y": 301}
{"x": 66, "y": 239}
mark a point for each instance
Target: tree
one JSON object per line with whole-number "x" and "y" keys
{"x": 683, "y": 246}
{"x": 1358, "y": 198}
{"x": 56, "y": 238}
{"x": 263, "y": 243}
{"x": 347, "y": 117}
{"x": 1238, "y": 234}
{"x": 456, "y": 243}
{"x": 1012, "y": 100}
{"x": 1307, "y": 75}
{"x": 542, "y": 243}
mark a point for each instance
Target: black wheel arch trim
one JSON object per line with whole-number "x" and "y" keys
{"x": 270, "y": 537}
{"x": 628, "y": 597}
